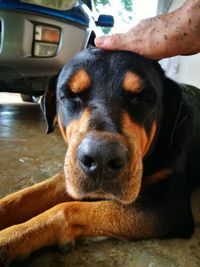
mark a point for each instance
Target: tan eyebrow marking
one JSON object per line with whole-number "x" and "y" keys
{"x": 80, "y": 81}
{"x": 132, "y": 82}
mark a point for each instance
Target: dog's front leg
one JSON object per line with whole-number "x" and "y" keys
{"x": 66, "y": 222}
{"x": 23, "y": 205}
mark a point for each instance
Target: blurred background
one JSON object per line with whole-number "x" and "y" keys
{"x": 184, "y": 69}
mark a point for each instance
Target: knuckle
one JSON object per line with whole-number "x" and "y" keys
{"x": 115, "y": 39}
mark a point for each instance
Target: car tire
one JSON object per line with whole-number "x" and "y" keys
{"x": 30, "y": 98}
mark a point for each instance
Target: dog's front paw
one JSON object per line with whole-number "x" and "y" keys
{"x": 5, "y": 251}
{"x": 13, "y": 246}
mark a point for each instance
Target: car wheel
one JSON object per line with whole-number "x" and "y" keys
{"x": 30, "y": 98}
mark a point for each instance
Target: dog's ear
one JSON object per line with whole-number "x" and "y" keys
{"x": 48, "y": 104}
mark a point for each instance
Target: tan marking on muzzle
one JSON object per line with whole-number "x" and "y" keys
{"x": 150, "y": 139}
{"x": 80, "y": 81}
{"x": 132, "y": 82}
{"x": 132, "y": 133}
{"x": 76, "y": 129}
{"x": 137, "y": 134}
{"x": 75, "y": 133}
{"x": 61, "y": 127}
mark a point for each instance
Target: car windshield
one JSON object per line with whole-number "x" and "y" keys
{"x": 55, "y": 4}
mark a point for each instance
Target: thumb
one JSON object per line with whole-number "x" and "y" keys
{"x": 111, "y": 42}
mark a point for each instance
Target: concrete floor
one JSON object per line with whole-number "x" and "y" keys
{"x": 28, "y": 156}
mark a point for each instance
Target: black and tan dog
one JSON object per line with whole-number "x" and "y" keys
{"x": 133, "y": 139}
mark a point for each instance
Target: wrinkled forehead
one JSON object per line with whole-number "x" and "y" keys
{"x": 99, "y": 66}
{"x": 110, "y": 61}
{"x": 102, "y": 67}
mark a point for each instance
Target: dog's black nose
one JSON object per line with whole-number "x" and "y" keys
{"x": 101, "y": 156}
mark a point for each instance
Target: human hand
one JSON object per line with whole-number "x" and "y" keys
{"x": 162, "y": 36}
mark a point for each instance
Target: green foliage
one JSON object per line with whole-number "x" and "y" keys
{"x": 124, "y": 11}
{"x": 106, "y": 30}
{"x": 101, "y": 2}
{"x": 98, "y": 3}
{"x": 127, "y": 4}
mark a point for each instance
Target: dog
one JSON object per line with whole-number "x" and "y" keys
{"x": 132, "y": 160}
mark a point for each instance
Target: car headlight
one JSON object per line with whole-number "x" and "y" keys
{"x": 46, "y": 41}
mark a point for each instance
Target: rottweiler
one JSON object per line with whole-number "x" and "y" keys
{"x": 133, "y": 138}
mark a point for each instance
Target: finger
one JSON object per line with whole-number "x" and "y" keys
{"x": 111, "y": 42}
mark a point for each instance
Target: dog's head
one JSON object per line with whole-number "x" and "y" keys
{"x": 106, "y": 105}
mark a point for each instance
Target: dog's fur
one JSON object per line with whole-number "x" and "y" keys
{"x": 133, "y": 139}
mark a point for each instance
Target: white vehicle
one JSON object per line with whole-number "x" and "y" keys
{"x": 37, "y": 37}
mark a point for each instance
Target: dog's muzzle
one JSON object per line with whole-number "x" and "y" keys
{"x": 99, "y": 156}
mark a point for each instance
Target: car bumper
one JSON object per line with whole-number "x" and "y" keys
{"x": 16, "y": 45}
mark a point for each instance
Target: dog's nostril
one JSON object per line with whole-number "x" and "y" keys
{"x": 116, "y": 164}
{"x": 101, "y": 156}
{"x": 88, "y": 162}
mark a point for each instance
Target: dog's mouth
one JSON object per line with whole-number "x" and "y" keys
{"x": 124, "y": 189}
{"x": 103, "y": 166}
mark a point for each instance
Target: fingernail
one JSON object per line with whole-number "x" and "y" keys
{"x": 99, "y": 40}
